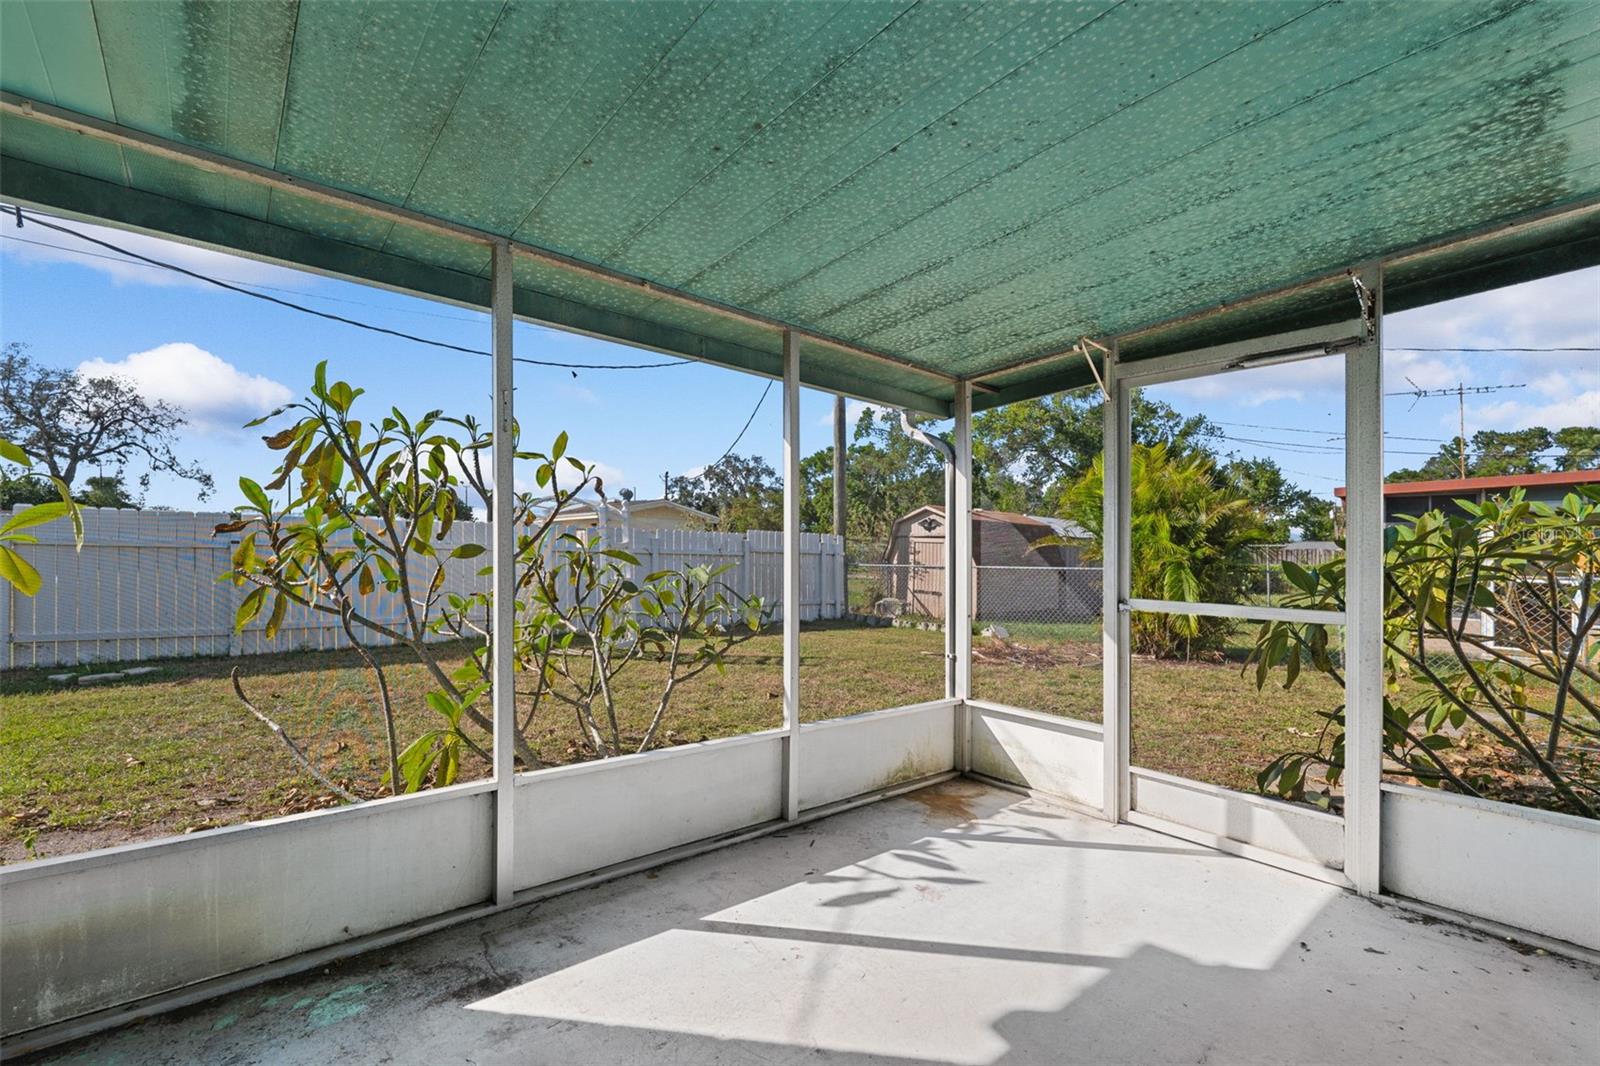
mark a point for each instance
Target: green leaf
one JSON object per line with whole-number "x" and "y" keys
{"x": 255, "y": 495}
{"x": 249, "y": 608}
{"x": 418, "y": 759}
{"x": 274, "y": 620}
{"x": 17, "y": 571}
{"x": 341, "y": 396}
{"x": 11, "y": 453}
{"x": 559, "y": 448}
{"x": 467, "y": 551}
{"x": 37, "y": 515}
{"x": 446, "y": 706}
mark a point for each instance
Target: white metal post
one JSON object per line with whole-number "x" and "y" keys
{"x": 1363, "y": 741}
{"x": 791, "y": 574}
{"x": 958, "y": 605}
{"x": 503, "y": 557}
{"x": 1116, "y": 581}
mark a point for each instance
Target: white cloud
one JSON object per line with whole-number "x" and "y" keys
{"x": 853, "y": 410}
{"x": 611, "y": 479}
{"x": 215, "y": 395}
{"x": 576, "y": 393}
{"x": 63, "y": 248}
{"x": 1424, "y": 371}
{"x": 1556, "y": 312}
{"x": 1573, "y": 409}
{"x": 1263, "y": 385}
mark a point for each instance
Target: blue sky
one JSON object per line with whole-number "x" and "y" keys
{"x": 225, "y": 357}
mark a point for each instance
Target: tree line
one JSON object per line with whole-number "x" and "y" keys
{"x": 1029, "y": 456}
{"x": 92, "y": 432}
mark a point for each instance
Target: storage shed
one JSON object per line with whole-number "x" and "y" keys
{"x": 1019, "y": 572}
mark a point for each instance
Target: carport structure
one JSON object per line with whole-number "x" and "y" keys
{"x": 938, "y": 206}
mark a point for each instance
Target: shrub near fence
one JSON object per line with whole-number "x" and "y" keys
{"x": 144, "y": 586}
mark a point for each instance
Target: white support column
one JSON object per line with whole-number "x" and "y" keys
{"x": 958, "y": 605}
{"x": 1363, "y": 742}
{"x": 791, "y": 574}
{"x": 503, "y": 556}
{"x": 1116, "y": 590}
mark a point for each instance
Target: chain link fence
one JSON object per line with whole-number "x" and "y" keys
{"x": 1021, "y": 599}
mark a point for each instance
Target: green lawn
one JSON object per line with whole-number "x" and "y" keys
{"x": 174, "y": 751}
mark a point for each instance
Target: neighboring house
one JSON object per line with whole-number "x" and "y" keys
{"x": 639, "y": 514}
{"x": 1412, "y": 498}
{"x": 1015, "y": 576}
{"x": 1504, "y": 624}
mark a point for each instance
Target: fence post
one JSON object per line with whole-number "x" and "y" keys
{"x": 747, "y": 579}
{"x": 8, "y": 611}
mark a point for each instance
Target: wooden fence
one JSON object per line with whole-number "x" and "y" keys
{"x": 144, "y": 586}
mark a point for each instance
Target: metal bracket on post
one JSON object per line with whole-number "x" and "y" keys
{"x": 1082, "y": 347}
{"x": 1363, "y": 742}
{"x": 503, "y": 557}
{"x": 791, "y": 575}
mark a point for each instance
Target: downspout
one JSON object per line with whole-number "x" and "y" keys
{"x": 948, "y": 451}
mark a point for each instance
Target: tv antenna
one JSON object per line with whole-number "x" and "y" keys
{"x": 1460, "y": 391}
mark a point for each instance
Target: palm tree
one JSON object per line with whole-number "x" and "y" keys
{"x": 1191, "y": 536}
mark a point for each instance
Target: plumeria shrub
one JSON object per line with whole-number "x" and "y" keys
{"x": 1509, "y": 712}
{"x": 358, "y": 506}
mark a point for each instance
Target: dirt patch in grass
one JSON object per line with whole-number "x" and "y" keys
{"x": 1003, "y": 653}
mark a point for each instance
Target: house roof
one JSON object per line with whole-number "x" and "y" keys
{"x": 1486, "y": 484}
{"x": 921, "y": 192}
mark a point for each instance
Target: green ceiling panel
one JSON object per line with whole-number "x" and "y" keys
{"x": 963, "y": 186}
{"x": 397, "y": 69}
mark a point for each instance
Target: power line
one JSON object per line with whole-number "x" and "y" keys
{"x": 1309, "y": 448}
{"x": 240, "y": 287}
{"x": 1330, "y": 434}
{"x": 746, "y": 428}
{"x": 328, "y": 315}
{"x": 253, "y": 285}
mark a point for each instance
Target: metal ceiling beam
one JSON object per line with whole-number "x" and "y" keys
{"x": 213, "y": 162}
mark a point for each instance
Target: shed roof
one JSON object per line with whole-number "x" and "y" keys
{"x": 1486, "y": 484}
{"x": 926, "y": 191}
{"x": 1040, "y": 525}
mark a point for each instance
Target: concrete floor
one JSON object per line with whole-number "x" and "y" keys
{"x": 958, "y": 924}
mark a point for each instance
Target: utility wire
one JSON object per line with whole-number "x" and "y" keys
{"x": 1328, "y": 433}
{"x": 328, "y": 315}
{"x": 742, "y": 432}
{"x": 253, "y": 285}
{"x": 239, "y": 287}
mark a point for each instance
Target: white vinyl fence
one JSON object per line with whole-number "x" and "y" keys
{"x": 144, "y": 586}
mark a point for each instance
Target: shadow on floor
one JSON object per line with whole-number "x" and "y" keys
{"x": 960, "y": 924}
